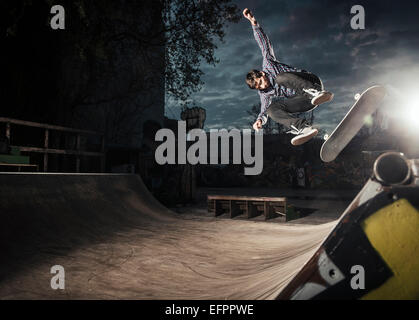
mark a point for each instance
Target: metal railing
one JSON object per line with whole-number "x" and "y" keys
{"x": 46, "y": 150}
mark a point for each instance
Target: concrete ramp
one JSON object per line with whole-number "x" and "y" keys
{"x": 115, "y": 241}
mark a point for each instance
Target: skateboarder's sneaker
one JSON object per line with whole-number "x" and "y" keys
{"x": 319, "y": 97}
{"x": 302, "y": 135}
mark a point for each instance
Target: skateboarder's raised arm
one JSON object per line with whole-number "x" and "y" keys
{"x": 263, "y": 42}
{"x": 260, "y": 36}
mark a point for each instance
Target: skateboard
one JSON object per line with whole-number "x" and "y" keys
{"x": 366, "y": 104}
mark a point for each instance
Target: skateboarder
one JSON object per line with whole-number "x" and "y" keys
{"x": 284, "y": 90}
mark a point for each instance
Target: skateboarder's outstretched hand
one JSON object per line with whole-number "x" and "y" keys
{"x": 257, "y": 125}
{"x": 249, "y": 16}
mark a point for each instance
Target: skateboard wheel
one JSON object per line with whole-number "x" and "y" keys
{"x": 325, "y": 137}
{"x": 357, "y": 96}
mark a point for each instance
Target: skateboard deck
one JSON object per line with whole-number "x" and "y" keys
{"x": 365, "y": 105}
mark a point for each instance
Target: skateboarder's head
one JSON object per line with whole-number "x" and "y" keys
{"x": 256, "y": 79}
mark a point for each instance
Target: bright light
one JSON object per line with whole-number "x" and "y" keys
{"x": 405, "y": 108}
{"x": 412, "y": 113}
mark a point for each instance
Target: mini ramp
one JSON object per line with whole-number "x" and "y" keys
{"x": 115, "y": 241}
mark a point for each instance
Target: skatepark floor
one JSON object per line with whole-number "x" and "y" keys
{"x": 115, "y": 241}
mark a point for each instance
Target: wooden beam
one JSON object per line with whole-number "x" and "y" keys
{"x": 234, "y": 208}
{"x": 217, "y": 208}
{"x": 47, "y": 126}
{"x": 251, "y": 210}
{"x": 59, "y": 151}
{"x": 46, "y": 143}
{"x": 267, "y": 210}
{"x": 8, "y": 131}
{"x": 245, "y": 198}
{"x": 19, "y": 166}
{"x": 78, "y": 156}
{"x": 103, "y": 151}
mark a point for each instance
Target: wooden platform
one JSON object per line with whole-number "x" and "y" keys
{"x": 19, "y": 166}
{"x": 270, "y": 207}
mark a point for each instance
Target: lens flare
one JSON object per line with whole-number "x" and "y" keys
{"x": 404, "y": 108}
{"x": 412, "y": 112}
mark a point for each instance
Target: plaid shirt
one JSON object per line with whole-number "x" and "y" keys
{"x": 272, "y": 68}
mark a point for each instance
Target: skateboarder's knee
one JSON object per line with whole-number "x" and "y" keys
{"x": 280, "y": 78}
{"x": 288, "y": 79}
{"x": 271, "y": 112}
{"x": 275, "y": 111}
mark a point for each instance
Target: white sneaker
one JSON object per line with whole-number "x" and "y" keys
{"x": 294, "y": 130}
{"x": 319, "y": 97}
{"x": 303, "y": 135}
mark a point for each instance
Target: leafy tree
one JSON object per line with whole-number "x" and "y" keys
{"x": 111, "y": 52}
{"x": 191, "y": 29}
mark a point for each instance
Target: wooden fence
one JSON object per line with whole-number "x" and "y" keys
{"x": 46, "y": 150}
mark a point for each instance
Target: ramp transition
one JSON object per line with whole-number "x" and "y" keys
{"x": 116, "y": 241}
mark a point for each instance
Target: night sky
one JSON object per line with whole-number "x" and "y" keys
{"x": 316, "y": 36}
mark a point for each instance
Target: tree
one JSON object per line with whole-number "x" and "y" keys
{"x": 109, "y": 54}
{"x": 191, "y": 29}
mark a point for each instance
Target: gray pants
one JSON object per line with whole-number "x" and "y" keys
{"x": 282, "y": 110}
